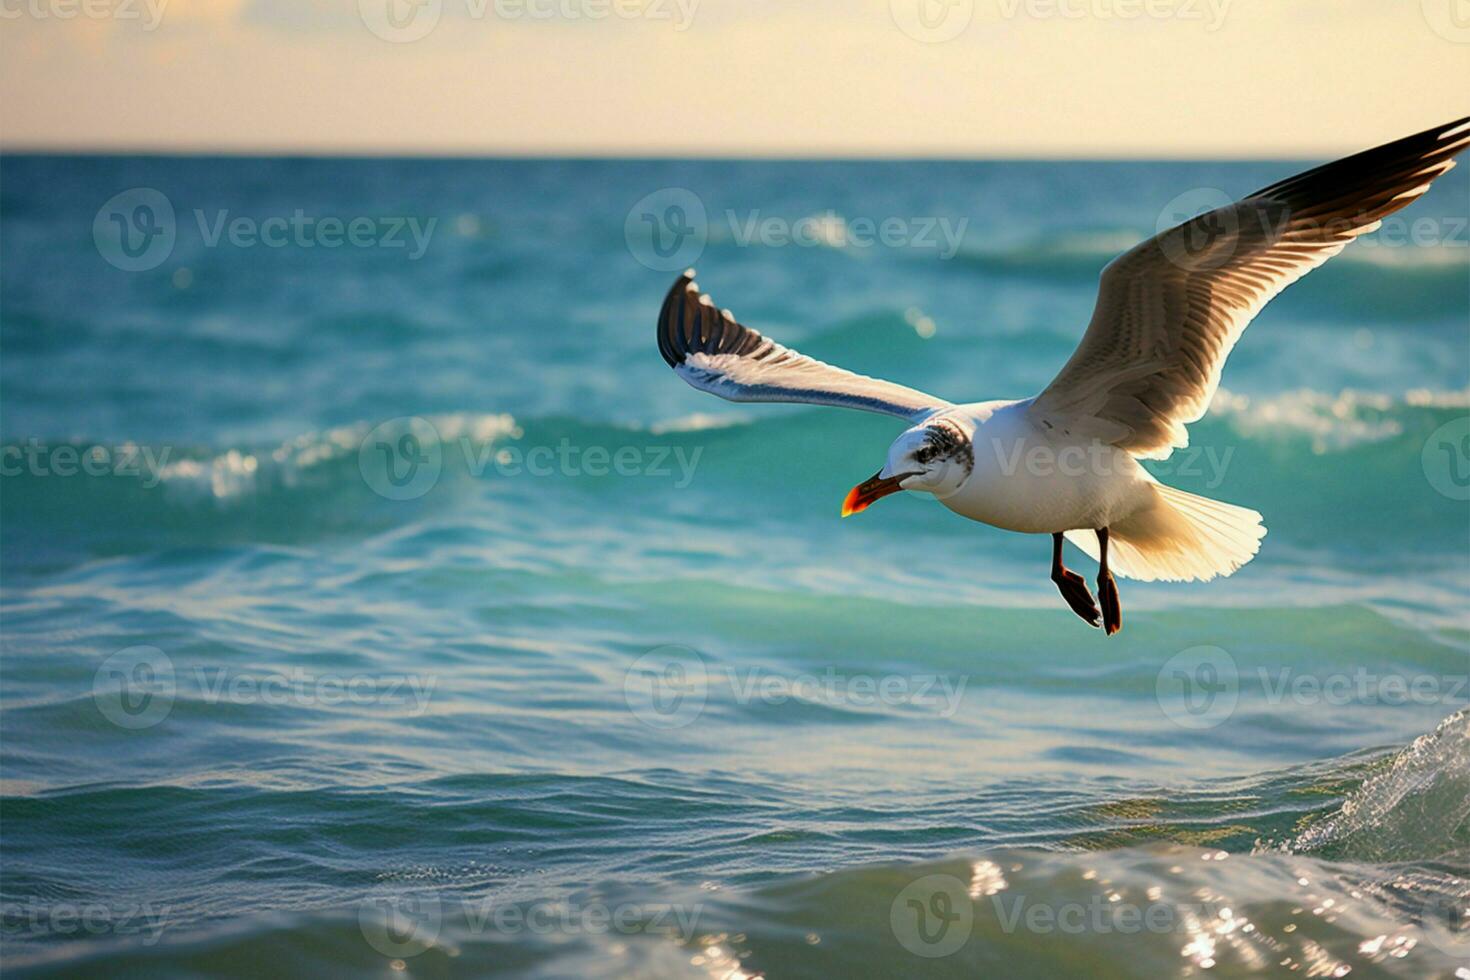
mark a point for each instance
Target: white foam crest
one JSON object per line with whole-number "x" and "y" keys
{"x": 235, "y": 475}
{"x": 699, "y": 422}
{"x": 1418, "y": 802}
{"x": 1393, "y": 253}
{"x": 1103, "y": 243}
{"x": 1333, "y": 421}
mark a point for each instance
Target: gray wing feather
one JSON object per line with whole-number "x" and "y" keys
{"x": 713, "y": 352}
{"x": 1170, "y": 310}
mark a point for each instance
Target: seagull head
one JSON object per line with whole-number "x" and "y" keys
{"x": 936, "y": 456}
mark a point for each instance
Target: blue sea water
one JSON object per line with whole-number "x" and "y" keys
{"x": 387, "y": 607}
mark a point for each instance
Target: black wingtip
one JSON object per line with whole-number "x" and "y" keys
{"x": 670, "y": 343}
{"x": 1406, "y": 159}
{"x": 690, "y": 323}
{"x": 1448, "y": 128}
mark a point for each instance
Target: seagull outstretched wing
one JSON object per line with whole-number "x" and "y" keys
{"x": 1170, "y": 310}
{"x": 707, "y": 348}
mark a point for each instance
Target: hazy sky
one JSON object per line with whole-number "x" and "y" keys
{"x": 732, "y": 77}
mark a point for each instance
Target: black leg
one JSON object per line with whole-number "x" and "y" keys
{"x": 1073, "y": 587}
{"x": 1107, "y": 589}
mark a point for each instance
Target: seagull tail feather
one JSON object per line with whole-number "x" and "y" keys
{"x": 1179, "y": 537}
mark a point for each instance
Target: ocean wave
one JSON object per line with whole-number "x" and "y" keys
{"x": 1416, "y": 808}
{"x": 331, "y": 480}
{"x": 232, "y": 475}
{"x": 1158, "y": 911}
{"x": 1167, "y": 884}
{"x": 1332, "y": 421}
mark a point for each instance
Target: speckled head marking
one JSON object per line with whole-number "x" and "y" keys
{"x": 938, "y": 453}
{"x": 946, "y": 442}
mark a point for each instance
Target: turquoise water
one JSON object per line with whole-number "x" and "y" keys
{"x": 413, "y": 618}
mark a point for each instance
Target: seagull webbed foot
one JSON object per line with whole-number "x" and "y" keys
{"x": 1107, "y": 594}
{"x": 1074, "y": 589}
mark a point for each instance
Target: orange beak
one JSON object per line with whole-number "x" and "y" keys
{"x": 861, "y": 497}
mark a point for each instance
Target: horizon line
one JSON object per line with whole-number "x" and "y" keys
{"x": 630, "y": 153}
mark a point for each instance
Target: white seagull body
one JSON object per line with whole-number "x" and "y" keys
{"x": 1065, "y": 462}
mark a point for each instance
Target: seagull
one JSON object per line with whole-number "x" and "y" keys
{"x": 1066, "y": 461}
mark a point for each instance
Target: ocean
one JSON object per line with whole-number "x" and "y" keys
{"x": 376, "y": 602}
